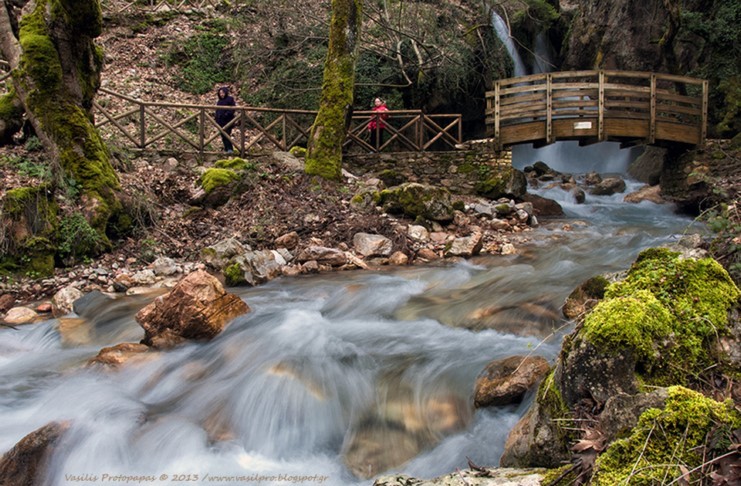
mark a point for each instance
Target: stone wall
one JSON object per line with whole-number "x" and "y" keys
{"x": 457, "y": 171}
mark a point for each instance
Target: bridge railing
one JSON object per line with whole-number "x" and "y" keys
{"x": 173, "y": 127}
{"x": 598, "y": 105}
{"x": 4, "y": 75}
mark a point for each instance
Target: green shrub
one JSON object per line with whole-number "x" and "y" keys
{"x": 204, "y": 61}
{"x": 77, "y": 239}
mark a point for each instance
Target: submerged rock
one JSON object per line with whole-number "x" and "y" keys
{"x": 506, "y": 381}
{"x": 24, "y": 464}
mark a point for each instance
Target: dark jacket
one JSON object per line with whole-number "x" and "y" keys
{"x": 224, "y": 116}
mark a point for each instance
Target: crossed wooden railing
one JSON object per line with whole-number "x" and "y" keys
{"x": 593, "y": 106}
{"x": 4, "y": 71}
{"x": 174, "y": 127}
{"x": 154, "y": 6}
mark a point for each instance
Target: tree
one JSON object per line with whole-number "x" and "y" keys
{"x": 56, "y": 68}
{"x": 324, "y": 157}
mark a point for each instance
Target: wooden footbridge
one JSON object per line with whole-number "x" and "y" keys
{"x": 594, "y": 106}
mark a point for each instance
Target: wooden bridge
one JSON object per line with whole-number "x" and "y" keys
{"x": 174, "y": 127}
{"x": 594, "y": 106}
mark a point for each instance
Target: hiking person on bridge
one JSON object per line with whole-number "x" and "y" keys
{"x": 376, "y": 126}
{"x": 225, "y": 117}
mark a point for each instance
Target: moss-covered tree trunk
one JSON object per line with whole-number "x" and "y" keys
{"x": 56, "y": 70}
{"x": 324, "y": 157}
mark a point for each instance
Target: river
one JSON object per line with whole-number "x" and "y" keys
{"x": 331, "y": 378}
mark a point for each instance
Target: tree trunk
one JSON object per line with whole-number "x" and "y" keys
{"x": 56, "y": 73}
{"x": 324, "y": 157}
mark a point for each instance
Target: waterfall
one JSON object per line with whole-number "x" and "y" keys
{"x": 543, "y": 60}
{"x": 502, "y": 31}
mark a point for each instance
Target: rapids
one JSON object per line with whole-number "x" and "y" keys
{"x": 331, "y": 379}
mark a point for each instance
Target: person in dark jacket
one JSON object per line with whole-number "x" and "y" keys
{"x": 224, "y": 117}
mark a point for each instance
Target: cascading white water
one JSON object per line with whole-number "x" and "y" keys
{"x": 502, "y": 31}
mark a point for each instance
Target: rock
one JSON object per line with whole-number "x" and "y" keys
{"x": 647, "y": 167}
{"x": 322, "y": 254}
{"x": 578, "y": 194}
{"x": 427, "y": 254}
{"x": 608, "y": 187}
{"x": 61, "y": 303}
{"x": 542, "y": 206}
{"x": 74, "y": 331}
{"x": 165, "y": 266}
{"x": 534, "y": 441}
{"x": 541, "y": 168}
{"x": 20, "y": 315}
{"x": 144, "y": 277}
{"x": 506, "y": 381}
{"x": 508, "y": 249}
{"x": 91, "y": 303}
{"x": 372, "y": 245}
{"x": 583, "y": 298}
{"x": 24, "y": 464}
{"x": 44, "y": 308}
{"x": 7, "y": 301}
{"x": 622, "y": 411}
{"x": 219, "y": 254}
{"x": 253, "y": 267}
{"x": 312, "y": 266}
{"x": 115, "y": 356}
{"x": 197, "y": 308}
{"x": 646, "y": 193}
{"x": 398, "y": 258}
{"x": 592, "y": 179}
{"x": 289, "y": 241}
{"x": 418, "y": 200}
{"x": 468, "y": 477}
{"x": 291, "y": 270}
{"x": 418, "y": 233}
{"x": 467, "y": 246}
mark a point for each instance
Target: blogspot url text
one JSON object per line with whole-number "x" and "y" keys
{"x": 206, "y": 478}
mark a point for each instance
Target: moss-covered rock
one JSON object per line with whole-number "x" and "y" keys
{"x": 297, "y": 151}
{"x": 219, "y": 185}
{"x": 417, "y": 200}
{"x": 11, "y": 117}
{"x": 505, "y": 182}
{"x": 689, "y": 431}
{"x": 236, "y": 164}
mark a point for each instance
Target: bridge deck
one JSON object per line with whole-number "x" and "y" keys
{"x": 594, "y": 106}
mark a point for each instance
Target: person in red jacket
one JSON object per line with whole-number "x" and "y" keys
{"x": 377, "y": 125}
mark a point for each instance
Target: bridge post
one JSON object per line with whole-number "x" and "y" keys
{"x": 142, "y": 130}
{"x": 652, "y": 117}
{"x": 549, "y": 109}
{"x": 496, "y": 115}
{"x": 601, "y": 107}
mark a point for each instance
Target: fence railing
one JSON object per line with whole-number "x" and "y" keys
{"x": 601, "y": 105}
{"x": 154, "y": 6}
{"x": 4, "y": 73}
{"x": 175, "y": 127}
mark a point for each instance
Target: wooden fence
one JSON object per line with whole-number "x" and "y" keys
{"x": 593, "y": 106}
{"x": 154, "y": 6}
{"x": 4, "y": 71}
{"x": 172, "y": 127}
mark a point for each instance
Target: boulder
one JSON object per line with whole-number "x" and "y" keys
{"x": 61, "y": 303}
{"x": 427, "y": 254}
{"x": 219, "y": 254}
{"x": 398, "y": 258}
{"x": 372, "y": 245}
{"x": 645, "y": 193}
{"x": 115, "y": 356}
{"x": 466, "y": 246}
{"x": 543, "y": 206}
{"x": 165, "y": 266}
{"x": 24, "y": 464}
{"x": 322, "y": 255}
{"x": 647, "y": 167}
{"x": 7, "y": 301}
{"x": 608, "y": 187}
{"x": 289, "y": 241}
{"x": 253, "y": 267}
{"x": 418, "y": 200}
{"x": 583, "y": 298}
{"x": 20, "y": 315}
{"x": 471, "y": 477}
{"x": 418, "y": 233}
{"x": 197, "y": 308}
{"x": 506, "y": 381}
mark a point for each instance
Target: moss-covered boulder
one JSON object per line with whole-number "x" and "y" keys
{"x": 657, "y": 327}
{"x": 28, "y": 220}
{"x": 236, "y": 164}
{"x": 11, "y": 117}
{"x": 666, "y": 443}
{"x": 507, "y": 182}
{"x": 219, "y": 184}
{"x": 417, "y": 200}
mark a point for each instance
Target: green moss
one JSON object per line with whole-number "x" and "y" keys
{"x": 213, "y": 178}
{"x": 234, "y": 275}
{"x": 551, "y": 401}
{"x": 391, "y": 177}
{"x": 689, "y": 431}
{"x": 459, "y": 205}
{"x": 467, "y": 168}
{"x": 639, "y": 324}
{"x": 668, "y": 312}
{"x": 235, "y": 164}
{"x": 297, "y": 151}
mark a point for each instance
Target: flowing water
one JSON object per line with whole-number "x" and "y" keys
{"x": 330, "y": 379}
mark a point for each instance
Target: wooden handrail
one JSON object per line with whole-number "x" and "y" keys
{"x": 150, "y": 124}
{"x": 538, "y": 107}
